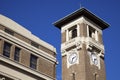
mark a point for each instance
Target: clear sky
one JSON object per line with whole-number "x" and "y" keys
{"x": 38, "y": 16}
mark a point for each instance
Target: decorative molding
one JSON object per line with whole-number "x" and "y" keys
{"x": 77, "y": 21}
{"x": 64, "y": 54}
{"x": 26, "y": 45}
{"x": 101, "y": 54}
{"x": 11, "y": 62}
{"x": 90, "y": 43}
{"x": 73, "y": 42}
{"x": 89, "y": 22}
{"x": 7, "y": 75}
{"x": 63, "y": 51}
{"x": 89, "y": 47}
{"x": 78, "y": 45}
{"x": 70, "y": 43}
{"x": 7, "y": 22}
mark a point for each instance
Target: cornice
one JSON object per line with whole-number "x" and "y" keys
{"x": 27, "y": 46}
{"x": 34, "y": 72}
{"x": 9, "y": 23}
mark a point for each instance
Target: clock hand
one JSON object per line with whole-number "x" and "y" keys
{"x": 73, "y": 58}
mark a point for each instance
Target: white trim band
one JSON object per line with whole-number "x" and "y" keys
{"x": 28, "y": 46}
{"x": 24, "y": 32}
{"x": 9, "y": 61}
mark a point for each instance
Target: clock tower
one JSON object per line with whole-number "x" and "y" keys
{"x": 82, "y": 47}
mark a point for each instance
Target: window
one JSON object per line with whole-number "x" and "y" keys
{"x": 73, "y": 32}
{"x": 9, "y": 31}
{"x": 35, "y": 44}
{"x": 93, "y": 33}
{"x": 33, "y": 61}
{"x": 17, "y": 54}
{"x": 6, "y": 49}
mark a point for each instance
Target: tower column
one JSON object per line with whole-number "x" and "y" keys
{"x": 96, "y": 35}
{"x": 67, "y": 35}
{"x": 78, "y": 31}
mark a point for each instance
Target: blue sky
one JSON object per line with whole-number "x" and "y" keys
{"x": 38, "y": 17}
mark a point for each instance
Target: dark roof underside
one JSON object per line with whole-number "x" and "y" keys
{"x": 81, "y": 12}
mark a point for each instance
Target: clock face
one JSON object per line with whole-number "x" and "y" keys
{"x": 72, "y": 58}
{"x": 94, "y": 58}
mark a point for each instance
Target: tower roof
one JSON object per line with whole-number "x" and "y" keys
{"x": 81, "y": 12}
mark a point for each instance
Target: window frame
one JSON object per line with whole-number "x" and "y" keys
{"x": 7, "y": 49}
{"x": 33, "y": 61}
{"x": 72, "y": 32}
{"x": 17, "y": 54}
{"x": 93, "y": 33}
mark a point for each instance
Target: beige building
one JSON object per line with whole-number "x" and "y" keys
{"x": 23, "y": 56}
{"x": 82, "y": 47}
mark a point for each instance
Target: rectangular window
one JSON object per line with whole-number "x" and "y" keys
{"x": 93, "y": 33}
{"x": 73, "y": 32}
{"x": 33, "y": 61}
{"x": 17, "y": 54}
{"x": 9, "y": 31}
{"x": 6, "y": 49}
{"x": 35, "y": 44}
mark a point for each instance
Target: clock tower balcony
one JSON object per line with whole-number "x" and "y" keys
{"x": 71, "y": 44}
{"x": 77, "y": 43}
{"x": 91, "y": 44}
{"x": 97, "y": 44}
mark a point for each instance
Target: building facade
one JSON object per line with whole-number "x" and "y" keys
{"x": 82, "y": 47}
{"x": 23, "y": 56}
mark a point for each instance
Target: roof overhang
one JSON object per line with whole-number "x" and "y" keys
{"x": 81, "y": 12}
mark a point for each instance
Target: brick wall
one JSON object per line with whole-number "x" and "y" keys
{"x": 44, "y": 65}
{"x": 63, "y": 37}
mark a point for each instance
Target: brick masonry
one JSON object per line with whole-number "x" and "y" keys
{"x": 44, "y": 65}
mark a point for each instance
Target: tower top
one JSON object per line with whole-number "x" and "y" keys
{"x": 78, "y": 13}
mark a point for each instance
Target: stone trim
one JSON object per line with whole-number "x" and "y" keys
{"x": 11, "y": 62}
{"x": 22, "y": 31}
{"x": 75, "y": 22}
{"x": 78, "y": 42}
{"x": 28, "y": 46}
{"x": 89, "y": 22}
{"x": 90, "y": 43}
{"x": 9, "y": 76}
